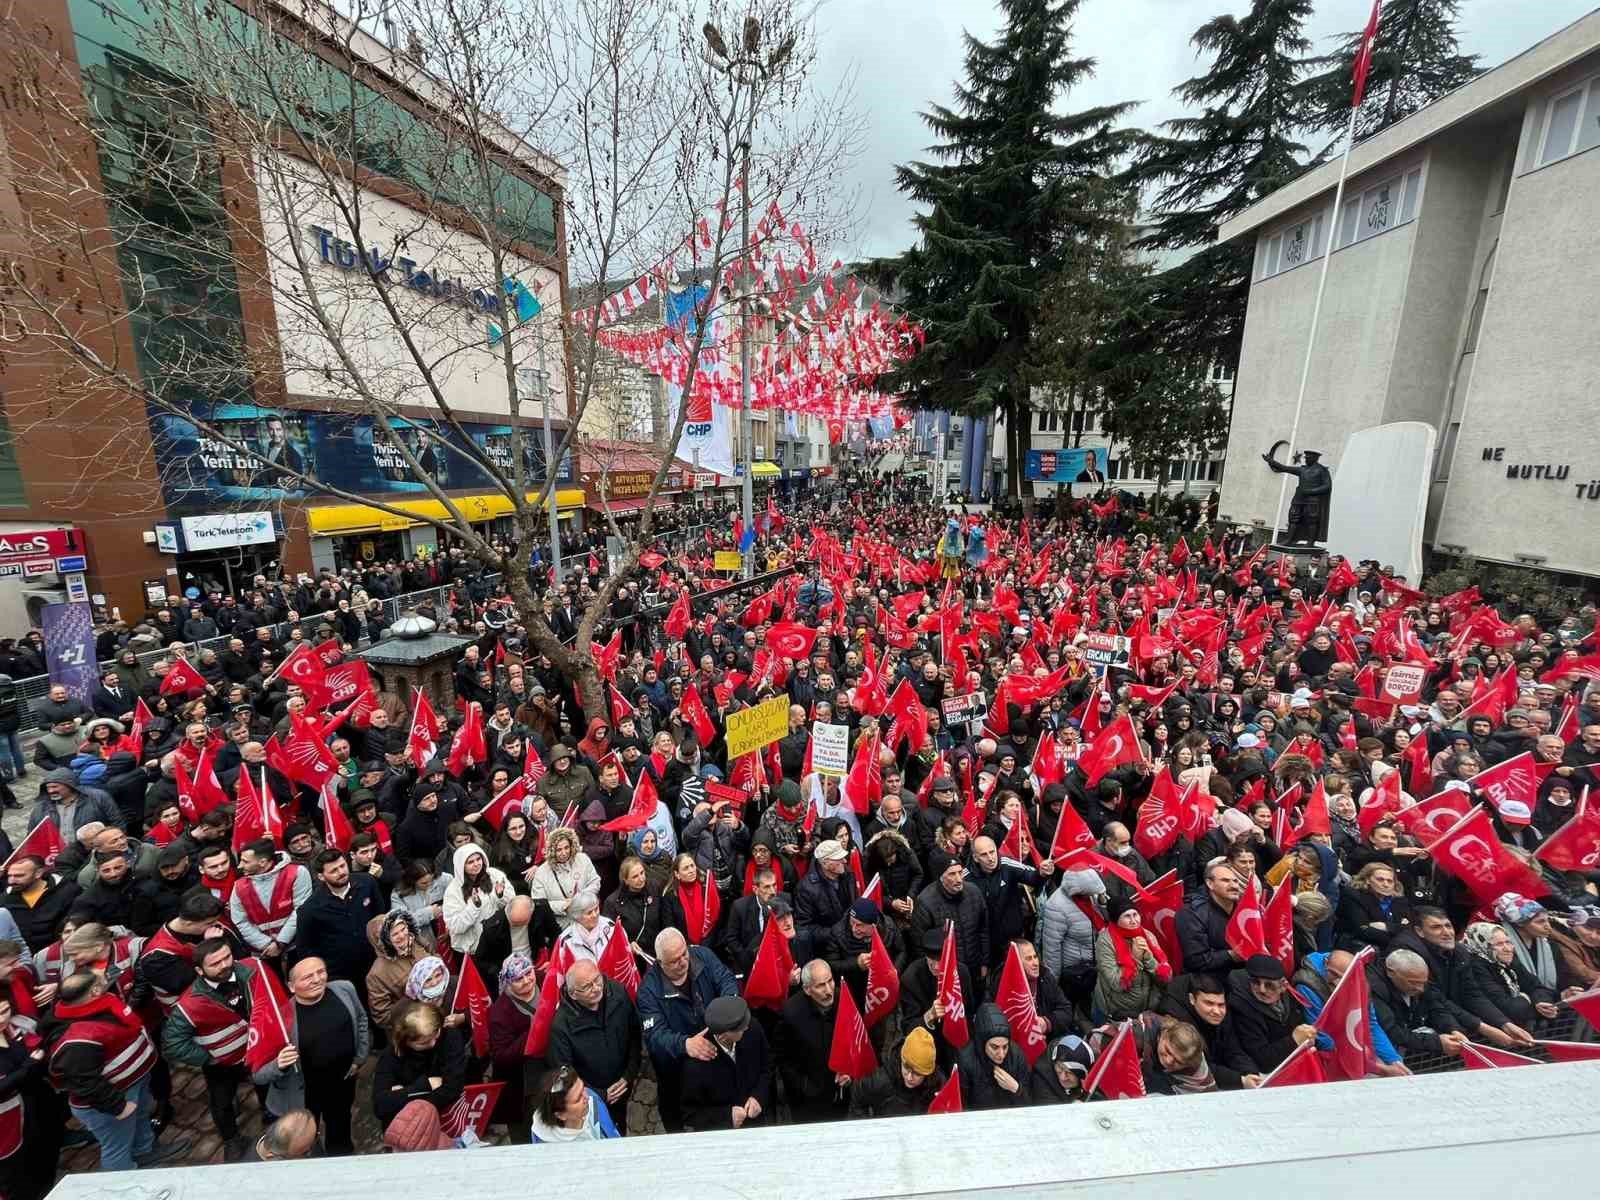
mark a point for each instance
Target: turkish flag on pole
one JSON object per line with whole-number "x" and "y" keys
{"x": 1304, "y": 1065}
{"x": 334, "y": 823}
{"x": 182, "y": 678}
{"x": 950, "y": 995}
{"x": 269, "y": 1017}
{"x": 693, "y": 709}
{"x": 1434, "y": 817}
{"x": 1277, "y": 927}
{"x": 1246, "y": 935}
{"x": 948, "y": 1098}
{"x": 767, "y": 985}
{"x": 645, "y": 800}
{"x": 1071, "y": 833}
{"x": 1114, "y": 746}
{"x": 507, "y": 802}
{"x": 1344, "y": 1019}
{"x": 43, "y": 840}
{"x": 472, "y": 998}
{"x": 616, "y": 961}
{"x": 1158, "y": 907}
{"x": 1116, "y": 1074}
{"x": 1471, "y": 851}
{"x": 851, "y": 1052}
{"x": 678, "y": 617}
{"x": 883, "y": 981}
{"x": 1384, "y": 802}
{"x": 468, "y": 749}
{"x": 422, "y": 744}
{"x": 791, "y": 640}
{"x": 1486, "y": 1058}
{"x": 304, "y": 666}
{"x": 1016, "y": 1000}
{"x": 1576, "y": 845}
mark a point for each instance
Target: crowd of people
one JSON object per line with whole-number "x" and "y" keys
{"x": 1101, "y": 796}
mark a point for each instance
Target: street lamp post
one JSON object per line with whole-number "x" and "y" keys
{"x": 746, "y": 68}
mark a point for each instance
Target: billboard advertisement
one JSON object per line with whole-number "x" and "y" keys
{"x": 347, "y": 452}
{"x": 1067, "y": 466}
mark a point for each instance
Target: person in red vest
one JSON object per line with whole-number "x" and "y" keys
{"x": 166, "y": 962}
{"x": 264, "y": 902}
{"x": 101, "y": 1057}
{"x": 209, "y": 1028}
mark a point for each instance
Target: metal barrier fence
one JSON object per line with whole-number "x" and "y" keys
{"x": 1565, "y": 1026}
{"x": 33, "y": 690}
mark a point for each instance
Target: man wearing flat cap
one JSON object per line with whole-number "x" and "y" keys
{"x": 734, "y": 1087}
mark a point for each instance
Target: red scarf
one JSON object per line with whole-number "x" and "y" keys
{"x": 1122, "y": 943}
{"x": 109, "y": 1006}
{"x": 750, "y": 875}
{"x": 1087, "y": 907}
{"x": 22, "y": 985}
{"x": 701, "y": 908}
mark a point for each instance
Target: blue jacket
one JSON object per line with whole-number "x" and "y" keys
{"x": 1381, "y": 1045}
{"x": 671, "y": 1016}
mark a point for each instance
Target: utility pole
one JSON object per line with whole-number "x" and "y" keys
{"x": 745, "y": 435}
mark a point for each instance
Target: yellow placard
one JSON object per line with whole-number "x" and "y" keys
{"x": 756, "y": 727}
{"x": 729, "y": 560}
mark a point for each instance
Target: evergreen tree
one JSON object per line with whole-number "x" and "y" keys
{"x": 1012, "y": 187}
{"x": 1415, "y": 60}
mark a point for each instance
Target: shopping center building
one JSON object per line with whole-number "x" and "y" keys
{"x": 168, "y": 507}
{"x": 1461, "y": 294}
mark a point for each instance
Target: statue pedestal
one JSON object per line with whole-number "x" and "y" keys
{"x": 1309, "y": 559}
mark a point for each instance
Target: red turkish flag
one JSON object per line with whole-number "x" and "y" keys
{"x": 44, "y": 841}
{"x": 270, "y": 1017}
{"x": 1576, "y": 845}
{"x": 1344, "y": 1019}
{"x": 693, "y": 710}
{"x": 954, "y": 1024}
{"x": 678, "y": 618}
{"x": 1432, "y": 818}
{"x": 1114, "y": 746}
{"x": 851, "y": 1052}
{"x": 1472, "y": 852}
{"x": 1304, "y": 1065}
{"x": 1179, "y": 554}
{"x": 334, "y": 823}
{"x": 1511, "y": 786}
{"x": 182, "y": 679}
{"x": 472, "y": 998}
{"x": 422, "y": 744}
{"x": 791, "y": 640}
{"x": 616, "y": 961}
{"x": 1587, "y": 1005}
{"x": 1246, "y": 932}
{"x": 1384, "y": 802}
{"x": 1158, "y": 907}
{"x": 910, "y": 718}
{"x": 1071, "y": 833}
{"x": 468, "y": 748}
{"x": 1017, "y": 1001}
{"x": 883, "y": 981}
{"x": 767, "y": 985}
{"x": 1116, "y": 1074}
{"x": 507, "y": 802}
{"x": 948, "y": 1098}
{"x": 1277, "y": 927}
{"x": 1487, "y": 1058}
{"x": 304, "y": 666}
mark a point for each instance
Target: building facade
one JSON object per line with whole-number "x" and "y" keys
{"x": 1460, "y": 294}
{"x": 212, "y": 278}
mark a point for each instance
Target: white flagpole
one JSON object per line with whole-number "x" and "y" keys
{"x": 1316, "y": 313}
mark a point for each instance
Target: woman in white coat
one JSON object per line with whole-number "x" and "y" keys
{"x": 565, "y": 874}
{"x": 475, "y": 895}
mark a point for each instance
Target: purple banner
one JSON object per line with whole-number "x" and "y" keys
{"x": 69, "y": 647}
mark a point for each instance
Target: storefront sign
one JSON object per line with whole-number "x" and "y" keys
{"x": 756, "y": 727}
{"x": 219, "y": 531}
{"x": 624, "y": 485}
{"x": 830, "y": 748}
{"x": 403, "y": 272}
{"x": 42, "y": 544}
{"x": 705, "y": 479}
{"x": 728, "y": 560}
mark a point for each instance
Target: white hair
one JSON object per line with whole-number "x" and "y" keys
{"x": 666, "y": 939}
{"x": 1405, "y": 960}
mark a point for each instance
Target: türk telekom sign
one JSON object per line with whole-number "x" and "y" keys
{"x": 44, "y": 550}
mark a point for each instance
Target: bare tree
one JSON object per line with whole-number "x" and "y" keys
{"x": 253, "y": 219}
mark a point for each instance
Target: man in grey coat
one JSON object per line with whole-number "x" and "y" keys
{"x": 69, "y": 805}
{"x": 328, "y": 1042}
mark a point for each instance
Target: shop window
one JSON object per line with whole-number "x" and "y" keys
{"x": 11, "y": 493}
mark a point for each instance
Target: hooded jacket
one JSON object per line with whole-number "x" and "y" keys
{"x": 386, "y": 978}
{"x": 263, "y": 885}
{"x": 979, "y": 1088}
{"x": 466, "y": 916}
{"x": 1066, "y": 934}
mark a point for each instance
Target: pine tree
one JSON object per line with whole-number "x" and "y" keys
{"x": 1243, "y": 144}
{"x": 1415, "y": 60}
{"x": 1013, "y": 185}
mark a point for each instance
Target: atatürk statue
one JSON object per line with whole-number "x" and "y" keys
{"x": 1308, "y": 509}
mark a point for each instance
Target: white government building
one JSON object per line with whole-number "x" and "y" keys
{"x": 1463, "y": 293}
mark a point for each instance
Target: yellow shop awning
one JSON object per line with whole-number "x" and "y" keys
{"x": 334, "y": 519}
{"x": 765, "y": 470}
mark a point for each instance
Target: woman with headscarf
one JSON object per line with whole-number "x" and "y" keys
{"x": 1528, "y": 925}
{"x": 1577, "y": 943}
{"x": 565, "y": 873}
{"x": 395, "y": 941}
{"x": 509, "y": 1018}
{"x": 1058, "y": 1075}
{"x": 1501, "y": 987}
{"x": 654, "y": 857}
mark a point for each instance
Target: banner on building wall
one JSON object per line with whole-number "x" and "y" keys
{"x": 345, "y": 452}
{"x": 69, "y": 647}
{"x": 1083, "y": 465}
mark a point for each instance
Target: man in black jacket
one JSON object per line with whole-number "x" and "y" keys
{"x": 1268, "y": 1019}
{"x": 732, "y": 1087}
{"x": 1433, "y": 939}
{"x": 805, "y": 1036}
{"x": 333, "y": 923}
{"x": 1202, "y": 1001}
{"x": 1413, "y": 1014}
{"x": 1001, "y": 882}
{"x": 825, "y": 892}
{"x": 951, "y": 897}
{"x": 747, "y": 922}
{"x": 596, "y": 1031}
{"x": 848, "y": 949}
{"x": 1202, "y": 922}
{"x": 919, "y": 994}
{"x": 38, "y": 900}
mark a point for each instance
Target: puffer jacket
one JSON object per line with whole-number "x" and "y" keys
{"x": 464, "y": 917}
{"x": 970, "y": 913}
{"x": 1066, "y": 935}
{"x": 386, "y": 978}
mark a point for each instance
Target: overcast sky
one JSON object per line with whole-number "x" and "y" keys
{"x": 908, "y": 53}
